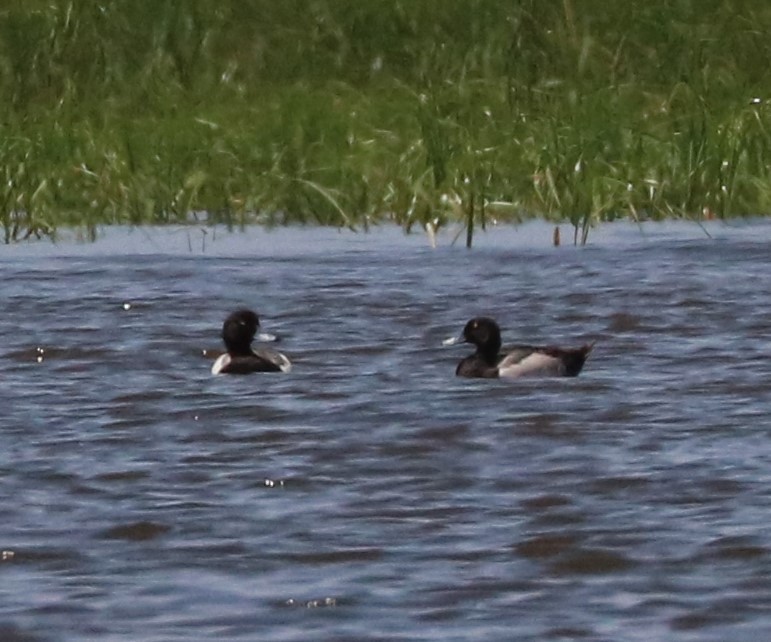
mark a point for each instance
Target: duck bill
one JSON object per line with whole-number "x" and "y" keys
{"x": 266, "y": 337}
{"x": 451, "y": 341}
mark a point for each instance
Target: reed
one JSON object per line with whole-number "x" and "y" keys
{"x": 343, "y": 113}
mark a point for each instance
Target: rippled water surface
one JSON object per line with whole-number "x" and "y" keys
{"x": 369, "y": 494}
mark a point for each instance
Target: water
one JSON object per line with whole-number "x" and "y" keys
{"x": 371, "y": 495}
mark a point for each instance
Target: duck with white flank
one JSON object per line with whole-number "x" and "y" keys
{"x": 238, "y": 332}
{"x": 516, "y": 361}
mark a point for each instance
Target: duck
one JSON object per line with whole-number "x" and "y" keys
{"x": 517, "y": 361}
{"x": 238, "y": 331}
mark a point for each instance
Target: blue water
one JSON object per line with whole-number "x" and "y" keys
{"x": 370, "y": 494}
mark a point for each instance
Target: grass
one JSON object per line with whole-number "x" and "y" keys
{"x": 348, "y": 113}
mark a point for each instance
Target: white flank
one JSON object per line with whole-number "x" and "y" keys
{"x": 220, "y": 363}
{"x": 283, "y": 363}
{"x": 534, "y": 363}
{"x": 275, "y": 357}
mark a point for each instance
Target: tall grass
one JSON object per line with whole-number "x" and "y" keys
{"x": 349, "y": 113}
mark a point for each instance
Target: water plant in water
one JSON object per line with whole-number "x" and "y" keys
{"x": 422, "y": 113}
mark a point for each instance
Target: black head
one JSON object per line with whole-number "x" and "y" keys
{"x": 238, "y": 331}
{"x": 485, "y": 334}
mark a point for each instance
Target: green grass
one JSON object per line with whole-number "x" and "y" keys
{"x": 350, "y": 113}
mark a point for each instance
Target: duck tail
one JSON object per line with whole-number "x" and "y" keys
{"x": 588, "y": 347}
{"x": 573, "y": 360}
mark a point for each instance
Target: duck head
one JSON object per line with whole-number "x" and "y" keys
{"x": 239, "y": 330}
{"x": 481, "y": 332}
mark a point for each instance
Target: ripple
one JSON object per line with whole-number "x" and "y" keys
{"x": 546, "y": 502}
{"x": 568, "y": 633}
{"x": 119, "y": 476}
{"x": 46, "y": 557}
{"x": 336, "y": 557}
{"x": 43, "y": 353}
{"x": 136, "y": 531}
{"x": 11, "y": 633}
{"x": 703, "y": 618}
{"x": 733, "y": 548}
{"x": 591, "y": 562}
{"x": 623, "y": 322}
{"x": 619, "y": 485}
{"x": 546, "y": 545}
{"x": 324, "y": 602}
